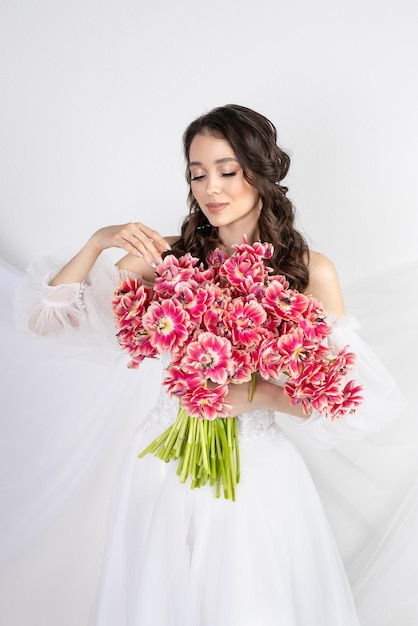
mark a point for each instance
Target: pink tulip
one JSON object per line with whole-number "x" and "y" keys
{"x": 167, "y": 324}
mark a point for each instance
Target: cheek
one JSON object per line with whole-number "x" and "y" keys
{"x": 247, "y": 189}
{"x": 250, "y": 194}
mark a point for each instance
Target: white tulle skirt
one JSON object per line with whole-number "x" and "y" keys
{"x": 181, "y": 557}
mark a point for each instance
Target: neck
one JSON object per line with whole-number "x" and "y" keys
{"x": 230, "y": 236}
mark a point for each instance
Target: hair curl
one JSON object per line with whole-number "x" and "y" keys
{"x": 253, "y": 138}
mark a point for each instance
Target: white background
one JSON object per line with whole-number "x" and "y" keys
{"x": 94, "y": 98}
{"x": 96, "y": 95}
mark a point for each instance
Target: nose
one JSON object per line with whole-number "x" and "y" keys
{"x": 213, "y": 185}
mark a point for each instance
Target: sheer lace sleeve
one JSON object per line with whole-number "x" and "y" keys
{"x": 383, "y": 400}
{"x": 72, "y": 319}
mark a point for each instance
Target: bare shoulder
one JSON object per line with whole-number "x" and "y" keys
{"x": 320, "y": 266}
{"x": 324, "y": 283}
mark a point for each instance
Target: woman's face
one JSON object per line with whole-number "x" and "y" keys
{"x": 219, "y": 186}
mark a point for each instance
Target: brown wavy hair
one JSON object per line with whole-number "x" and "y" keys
{"x": 253, "y": 138}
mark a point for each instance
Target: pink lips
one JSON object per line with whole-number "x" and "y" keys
{"x": 215, "y": 207}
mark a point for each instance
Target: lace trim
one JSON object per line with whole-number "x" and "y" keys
{"x": 258, "y": 425}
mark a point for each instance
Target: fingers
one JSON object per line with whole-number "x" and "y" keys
{"x": 153, "y": 245}
{"x": 237, "y": 398}
{"x": 143, "y": 242}
{"x": 160, "y": 243}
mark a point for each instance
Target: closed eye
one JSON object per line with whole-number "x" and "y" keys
{"x": 202, "y": 176}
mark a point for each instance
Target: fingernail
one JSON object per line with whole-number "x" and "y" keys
{"x": 167, "y": 246}
{"x": 154, "y": 265}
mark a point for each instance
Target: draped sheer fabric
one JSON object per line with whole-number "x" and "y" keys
{"x": 70, "y": 407}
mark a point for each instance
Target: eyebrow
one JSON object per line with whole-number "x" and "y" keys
{"x": 224, "y": 160}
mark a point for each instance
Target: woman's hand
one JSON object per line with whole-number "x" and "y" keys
{"x": 238, "y": 397}
{"x": 267, "y": 396}
{"x": 134, "y": 237}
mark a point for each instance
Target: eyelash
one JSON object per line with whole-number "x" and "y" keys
{"x": 226, "y": 174}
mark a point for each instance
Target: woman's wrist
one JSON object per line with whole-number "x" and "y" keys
{"x": 76, "y": 270}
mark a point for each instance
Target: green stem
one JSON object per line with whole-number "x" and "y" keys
{"x": 213, "y": 468}
{"x": 221, "y": 460}
{"x": 190, "y": 440}
{"x": 182, "y": 437}
{"x": 194, "y": 457}
{"x": 229, "y": 433}
{"x": 203, "y": 443}
{"x": 252, "y": 389}
{"x": 237, "y": 454}
{"x": 228, "y": 457}
{"x": 156, "y": 443}
{"x": 165, "y": 453}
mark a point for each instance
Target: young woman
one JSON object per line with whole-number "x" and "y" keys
{"x": 181, "y": 557}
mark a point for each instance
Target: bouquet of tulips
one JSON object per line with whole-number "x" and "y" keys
{"x": 224, "y": 324}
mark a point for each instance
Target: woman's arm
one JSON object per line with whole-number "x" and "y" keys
{"x": 144, "y": 247}
{"x": 267, "y": 396}
{"x": 59, "y": 297}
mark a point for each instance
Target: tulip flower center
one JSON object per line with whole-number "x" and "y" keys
{"x": 164, "y": 325}
{"x": 208, "y": 359}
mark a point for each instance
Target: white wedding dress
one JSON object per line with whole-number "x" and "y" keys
{"x": 180, "y": 557}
